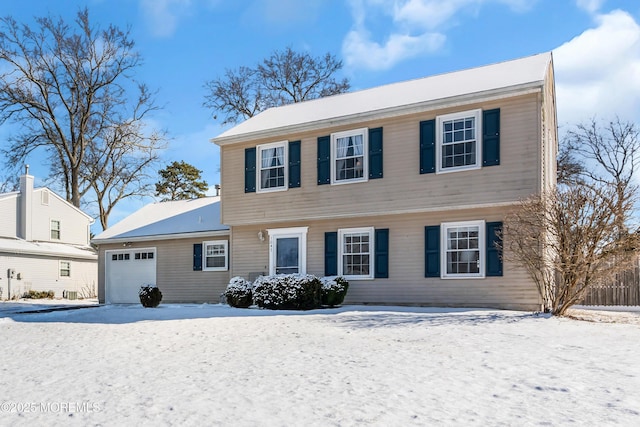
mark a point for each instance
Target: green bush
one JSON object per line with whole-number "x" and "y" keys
{"x": 239, "y": 293}
{"x": 38, "y": 294}
{"x": 150, "y": 296}
{"x": 287, "y": 292}
{"x": 334, "y": 289}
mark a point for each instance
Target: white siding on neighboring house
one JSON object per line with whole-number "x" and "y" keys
{"x": 71, "y": 229}
{"x": 9, "y": 214}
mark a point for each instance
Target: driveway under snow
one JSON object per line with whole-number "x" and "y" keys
{"x": 382, "y": 366}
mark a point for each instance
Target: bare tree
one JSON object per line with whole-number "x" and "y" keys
{"x": 67, "y": 90}
{"x": 568, "y": 240}
{"x": 570, "y": 169}
{"x": 283, "y": 78}
{"x": 611, "y": 155}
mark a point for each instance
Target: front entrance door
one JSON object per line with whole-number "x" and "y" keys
{"x": 287, "y": 250}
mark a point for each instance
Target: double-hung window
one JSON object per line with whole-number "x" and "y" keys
{"x": 272, "y": 170}
{"x": 65, "y": 269}
{"x": 463, "y": 249}
{"x": 459, "y": 141}
{"x": 349, "y": 154}
{"x": 355, "y": 253}
{"x": 215, "y": 255}
{"x": 55, "y": 229}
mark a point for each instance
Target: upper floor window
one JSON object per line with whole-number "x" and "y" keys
{"x": 458, "y": 142}
{"x": 272, "y": 170}
{"x": 349, "y": 153}
{"x": 215, "y": 255}
{"x": 55, "y": 229}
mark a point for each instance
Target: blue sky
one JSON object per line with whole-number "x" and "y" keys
{"x": 184, "y": 43}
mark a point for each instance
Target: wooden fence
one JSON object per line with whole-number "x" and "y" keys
{"x": 624, "y": 290}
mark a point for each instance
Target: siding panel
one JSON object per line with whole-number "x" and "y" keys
{"x": 402, "y": 188}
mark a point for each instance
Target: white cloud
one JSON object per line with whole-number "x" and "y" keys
{"x": 590, "y": 6}
{"x": 598, "y": 72}
{"x": 163, "y": 16}
{"x": 416, "y": 27}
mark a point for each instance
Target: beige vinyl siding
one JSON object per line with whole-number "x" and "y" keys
{"x": 403, "y": 188}
{"x": 174, "y": 271}
{"x": 9, "y": 213}
{"x": 406, "y": 283}
{"x": 43, "y": 274}
{"x": 550, "y": 133}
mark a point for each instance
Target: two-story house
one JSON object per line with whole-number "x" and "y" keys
{"x": 401, "y": 188}
{"x": 44, "y": 244}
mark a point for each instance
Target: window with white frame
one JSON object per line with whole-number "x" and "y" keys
{"x": 458, "y": 137}
{"x": 349, "y": 154}
{"x": 463, "y": 249}
{"x": 215, "y": 255}
{"x": 355, "y": 253}
{"x": 272, "y": 170}
{"x": 65, "y": 269}
{"x": 55, "y": 229}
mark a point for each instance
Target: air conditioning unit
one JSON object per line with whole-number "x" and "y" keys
{"x": 70, "y": 294}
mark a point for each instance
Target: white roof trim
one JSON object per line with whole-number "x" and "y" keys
{"x": 201, "y": 234}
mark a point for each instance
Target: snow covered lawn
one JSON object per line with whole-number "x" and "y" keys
{"x": 382, "y": 366}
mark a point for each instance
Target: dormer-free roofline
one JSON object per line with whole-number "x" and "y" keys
{"x": 481, "y": 84}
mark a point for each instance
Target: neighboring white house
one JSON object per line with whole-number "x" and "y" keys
{"x": 44, "y": 244}
{"x": 180, "y": 246}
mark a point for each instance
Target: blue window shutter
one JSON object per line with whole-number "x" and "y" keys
{"x": 197, "y": 256}
{"x": 294, "y": 164}
{"x": 375, "y": 153}
{"x": 382, "y": 253}
{"x": 432, "y": 251}
{"x": 494, "y": 253}
{"x": 331, "y": 253}
{"x": 324, "y": 160}
{"x": 491, "y": 137}
{"x": 250, "y": 170}
{"x": 428, "y": 146}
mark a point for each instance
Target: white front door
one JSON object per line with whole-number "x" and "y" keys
{"x": 288, "y": 250}
{"x": 126, "y": 271}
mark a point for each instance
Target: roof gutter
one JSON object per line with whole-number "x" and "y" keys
{"x": 421, "y": 107}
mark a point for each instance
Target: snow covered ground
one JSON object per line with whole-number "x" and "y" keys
{"x": 382, "y": 366}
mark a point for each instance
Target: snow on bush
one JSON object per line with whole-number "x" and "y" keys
{"x": 287, "y": 292}
{"x": 239, "y": 293}
{"x": 334, "y": 289}
{"x": 150, "y": 296}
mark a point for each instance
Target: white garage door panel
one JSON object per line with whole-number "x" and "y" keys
{"x": 126, "y": 271}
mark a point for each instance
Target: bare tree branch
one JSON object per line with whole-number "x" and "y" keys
{"x": 66, "y": 87}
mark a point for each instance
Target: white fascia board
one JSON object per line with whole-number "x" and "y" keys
{"x": 160, "y": 237}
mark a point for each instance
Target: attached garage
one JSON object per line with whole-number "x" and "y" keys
{"x": 179, "y": 246}
{"x": 126, "y": 271}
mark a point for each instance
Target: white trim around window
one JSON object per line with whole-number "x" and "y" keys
{"x": 356, "y": 253}
{"x": 459, "y": 141}
{"x": 64, "y": 269}
{"x": 295, "y": 262}
{"x": 55, "y": 229}
{"x": 272, "y": 168}
{"x": 350, "y": 156}
{"x": 215, "y": 255}
{"x": 463, "y": 250}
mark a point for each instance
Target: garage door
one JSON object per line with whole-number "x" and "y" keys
{"x": 126, "y": 271}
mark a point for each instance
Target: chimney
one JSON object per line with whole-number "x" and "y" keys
{"x": 217, "y": 187}
{"x": 26, "y": 204}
